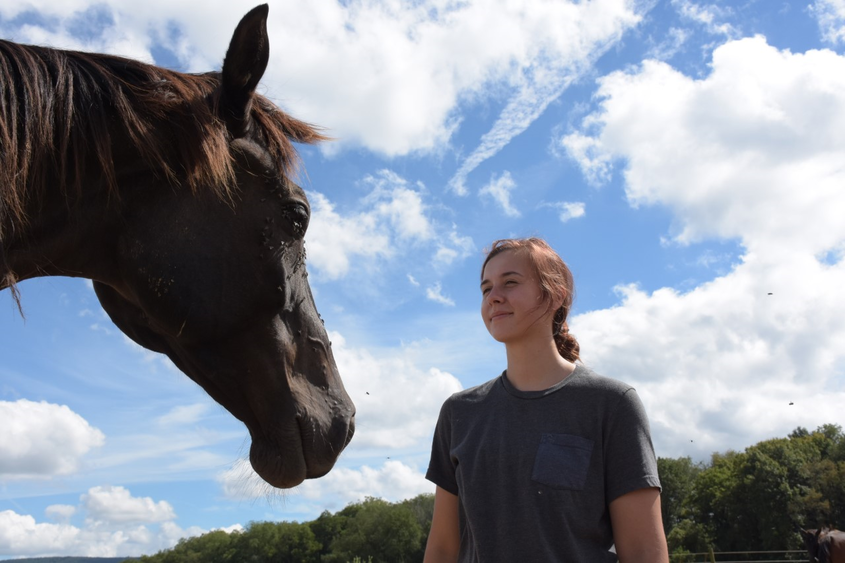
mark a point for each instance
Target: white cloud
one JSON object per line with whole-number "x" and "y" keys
{"x": 333, "y": 240}
{"x": 553, "y": 43}
{"x": 831, "y": 17}
{"x": 721, "y": 364}
{"x": 752, "y": 152}
{"x": 595, "y": 162}
{"x": 22, "y": 535}
{"x": 452, "y": 247}
{"x": 116, "y": 523}
{"x": 711, "y": 16}
{"x": 387, "y": 223}
{"x": 421, "y": 60}
{"x": 670, "y": 46}
{"x": 396, "y": 393}
{"x": 394, "y": 201}
{"x": 42, "y": 440}
{"x": 568, "y": 210}
{"x": 117, "y": 505}
{"x": 105, "y": 329}
{"x": 708, "y": 259}
{"x": 499, "y": 189}
{"x": 435, "y": 293}
{"x": 389, "y": 76}
{"x": 393, "y": 481}
{"x": 765, "y": 128}
{"x": 60, "y": 512}
{"x": 182, "y": 415}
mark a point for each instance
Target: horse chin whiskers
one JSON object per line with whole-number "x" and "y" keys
{"x": 246, "y": 484}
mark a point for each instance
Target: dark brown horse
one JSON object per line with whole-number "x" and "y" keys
{"x": 172, "y": 192}
{"x": 824, "y": 545}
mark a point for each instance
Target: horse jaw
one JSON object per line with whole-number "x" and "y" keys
{"x": 294, "y": 405}
{"x": 305, "y": 452}
{"x": 298, "y": 426}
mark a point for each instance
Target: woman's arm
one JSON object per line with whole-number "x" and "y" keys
{"x": 444, "y": 537}
{"x": 638, "y": 527}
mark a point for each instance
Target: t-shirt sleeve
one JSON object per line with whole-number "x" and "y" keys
{"x": 629, "y": 455}
{"x": 441, "y": 468}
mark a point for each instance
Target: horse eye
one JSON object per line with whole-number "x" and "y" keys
{"x": 296, "y": 219}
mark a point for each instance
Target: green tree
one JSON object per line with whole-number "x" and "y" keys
{"x": 327, "y": 527}
{"x": 756, "y": 497}
{"x": 387, "y": 533}
{"x": 297, "y": 544}
{"x": 422, "y": 507}
{"x": 278, "y": 542}
{"x": 822, "y": 477}
{"x": 688, "y": 537}
{"x": 217, "y": 546}
{"x": 767, "y": 484}
{"x": 677, "y": 478}
{"x": 749, "y": 498}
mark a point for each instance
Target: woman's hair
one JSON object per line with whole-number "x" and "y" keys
{"x": 555, "y": 280}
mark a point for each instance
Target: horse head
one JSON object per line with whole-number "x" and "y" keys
{"x": 811, "y": 543}
{"x": 221, "y": 288}
{"x": 212, "y": 276}
{"x": 824, "y": 545}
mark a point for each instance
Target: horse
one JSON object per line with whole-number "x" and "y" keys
{"x": 824, "y": 545}
{"x": 174, "y": 194}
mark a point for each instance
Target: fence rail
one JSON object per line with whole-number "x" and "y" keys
{"x": 789, "y": 556}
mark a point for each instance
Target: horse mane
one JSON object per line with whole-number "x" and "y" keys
{"x": 64, "y": 114}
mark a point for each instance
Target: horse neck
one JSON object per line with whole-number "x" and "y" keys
{"x": 51, "y": 199}
{"x": 60, "y": 235}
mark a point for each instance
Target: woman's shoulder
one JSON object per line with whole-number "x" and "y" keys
{"x": 587, "y": 378}
{"x": 476, "y": 393}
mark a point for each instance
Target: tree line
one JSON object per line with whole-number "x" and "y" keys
{"x": 370, "y": 531}
{"x": 756, "y": 499}
{"x": 751, "y": 500}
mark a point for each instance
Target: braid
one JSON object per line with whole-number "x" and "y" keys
{"x": 567, "y": 345}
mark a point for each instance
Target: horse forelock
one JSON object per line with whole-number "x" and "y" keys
{"x": 64, "y": 115}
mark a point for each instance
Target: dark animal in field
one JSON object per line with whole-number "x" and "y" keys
{"x": 173, "y": 193}
{"x": 824, "y": 545}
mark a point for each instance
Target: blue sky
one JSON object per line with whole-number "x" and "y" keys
{"x": 685, "y": 158}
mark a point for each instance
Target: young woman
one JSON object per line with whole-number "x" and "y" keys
{"x": 549, "y": 461}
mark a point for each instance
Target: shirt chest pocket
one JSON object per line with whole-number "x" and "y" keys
{"x": 562, "y": 461}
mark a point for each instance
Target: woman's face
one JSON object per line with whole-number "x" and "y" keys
{"x": 513, "y": 306}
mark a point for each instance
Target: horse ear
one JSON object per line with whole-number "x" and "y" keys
{"x": 244, "y": 65}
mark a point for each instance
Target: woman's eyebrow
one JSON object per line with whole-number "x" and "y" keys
{"x": 503, "y": 275}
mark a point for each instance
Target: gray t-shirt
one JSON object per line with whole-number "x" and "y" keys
{"x": 535, "y": 471}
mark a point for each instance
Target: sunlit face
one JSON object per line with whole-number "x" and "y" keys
{"x": 513, "y": 306}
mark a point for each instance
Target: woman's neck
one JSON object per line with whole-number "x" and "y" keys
{"x": 534, "y": 366}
